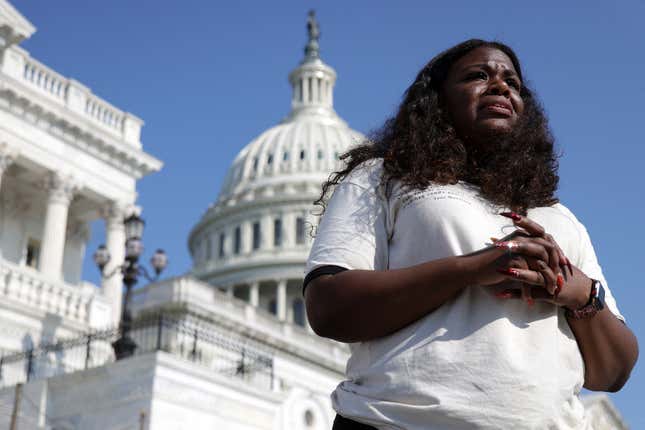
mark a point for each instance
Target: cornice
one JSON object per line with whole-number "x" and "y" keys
{"x": 19, "y": 25}
{"x": 32, "y": 107}
{"x": 250, "y": 263}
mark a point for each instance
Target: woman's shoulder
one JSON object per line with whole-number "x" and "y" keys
{"x": 558, "y": 214}
{"x": 562, "y": 210}
{"x": 368, "y": 174}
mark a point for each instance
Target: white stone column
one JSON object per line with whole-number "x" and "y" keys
{"x": 288, "y": 229}
{"x": 61, "y": 191}
{"x": 7, "y": 157}
{"x": 267, "y": 231}
{"x": 246, "y": 231}
{"x": 305, "y": 90}
{"x": 254, "y": 294}
{"x": 315, "y": 96}
{"x": 112, "y": 281}
{"x": 281, "y": 300}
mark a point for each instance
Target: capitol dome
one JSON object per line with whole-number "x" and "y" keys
{"x": 253, "y": 241}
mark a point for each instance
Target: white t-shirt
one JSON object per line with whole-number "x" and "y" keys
{"x": 477, "y": 362}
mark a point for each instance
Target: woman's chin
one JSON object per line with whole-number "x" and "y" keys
{"x": 495, "y": 127}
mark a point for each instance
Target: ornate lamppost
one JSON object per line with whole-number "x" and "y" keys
{"x": 125, "y": 346}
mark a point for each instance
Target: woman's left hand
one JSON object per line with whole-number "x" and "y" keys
{"x": 573, "y": 287}
{"x": 574, "y": 293}
{"x": 609, "y": 349}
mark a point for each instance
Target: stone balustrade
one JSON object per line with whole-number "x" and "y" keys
{"x": 45, "y": 79}
{"x": 79, "y": 304}
{"x": 19, "y": 65}
{"x": 202, "y": 298}
{"x": 104, "y": 113}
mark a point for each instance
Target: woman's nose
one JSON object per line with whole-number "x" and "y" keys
{"x": 499, "y": 87}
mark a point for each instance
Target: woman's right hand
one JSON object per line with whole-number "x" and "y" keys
{"x": 494, "y": 264}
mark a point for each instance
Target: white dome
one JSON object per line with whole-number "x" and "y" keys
{"x": 254, "y": 238}
{"x": 303, "y": 148}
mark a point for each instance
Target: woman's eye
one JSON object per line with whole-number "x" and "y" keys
{"x": 477, "y": 75}
{"x": 513, "y": 83}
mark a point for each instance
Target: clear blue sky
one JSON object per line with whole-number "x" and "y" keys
{"x": 208, "y": 76}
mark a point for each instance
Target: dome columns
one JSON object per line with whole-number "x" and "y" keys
{"x": 254, "y": 294}
{"x": 313, "y": 85}
{"x": 280, "y": 297}
{"x": 281, "y": 300}
{"x": 268, "y": 232}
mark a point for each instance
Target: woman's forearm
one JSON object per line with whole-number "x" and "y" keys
{"x": 609, "y": 349}
{"x": 360, "y": 305}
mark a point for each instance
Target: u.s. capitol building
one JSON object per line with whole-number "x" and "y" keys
{"x": 225, "y": 346}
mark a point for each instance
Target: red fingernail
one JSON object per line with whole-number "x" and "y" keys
{"x": 509, "y": 271}
{"x": 559, "y": 281}
{"x": 530, "y": 301}
{"x": 503, "y": 295}
{"x": 512, "y": 215}
{"x": 509, "y": 246}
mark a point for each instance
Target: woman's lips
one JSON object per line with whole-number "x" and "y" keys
{"x": 498, "y": 108}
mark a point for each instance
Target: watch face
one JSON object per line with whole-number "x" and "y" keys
{"x": 599, "y": 301}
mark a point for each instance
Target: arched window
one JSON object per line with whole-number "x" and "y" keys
{"x": 300, "y": 230}
{"x": 319, "y": 81}
{"x": 222, "y": 239}
{"x": 309, "y": 419}
{"x": 237, "y": 243}
{"x": 298, "y": 311}
{"x": 257, "y": 235}
{"x": 209, "y": 247}
{"x": 273, "y": 306}
{"x": 277, "y": 232}
{"x": 32, "y": 254}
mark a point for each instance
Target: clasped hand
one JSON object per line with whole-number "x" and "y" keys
{"x": 533, "y": 258}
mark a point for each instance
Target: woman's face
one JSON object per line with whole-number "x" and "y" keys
{"x": 482, "y": 94}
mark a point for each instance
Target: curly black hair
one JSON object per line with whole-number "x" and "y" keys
{"x": 419, "y": 145}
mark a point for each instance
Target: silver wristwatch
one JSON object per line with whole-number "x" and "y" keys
{"x": 596, "y": 303}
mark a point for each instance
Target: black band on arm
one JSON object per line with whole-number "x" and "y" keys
{"x": 322, "y": 270}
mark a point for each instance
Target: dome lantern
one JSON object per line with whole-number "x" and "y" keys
{"x": 312, "y": 82}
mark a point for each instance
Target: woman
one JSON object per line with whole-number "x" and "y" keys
{"x": 470, "y": 296}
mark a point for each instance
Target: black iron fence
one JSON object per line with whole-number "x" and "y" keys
{"x": 184, "y": 336}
